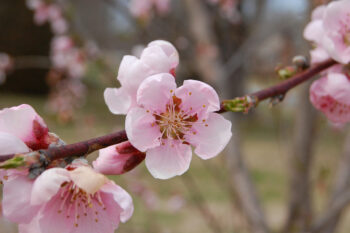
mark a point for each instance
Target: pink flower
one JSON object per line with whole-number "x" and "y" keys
{"x": 142, "y": 8}
{"x": 336, "y": 23}
{"x": 78, "y": 200}
{"x": 159, "y": 57}
{"x": 21, "y": 130}
{"x": 331, "y": 95}
{"x": 118, "y": 159}
{"x": 167, "y": 120}
{"x": 330, "y": 32}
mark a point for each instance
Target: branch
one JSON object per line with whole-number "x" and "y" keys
{"x": 77, "y": 149}
{"x": 243, "y": 104}
{"x": 91, "y": 145}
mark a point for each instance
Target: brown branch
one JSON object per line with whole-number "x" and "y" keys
{"x": 79, "y": 148}
{"x": 91, "y": 145}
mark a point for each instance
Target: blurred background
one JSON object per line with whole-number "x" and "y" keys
{"x": 286, "y": 167}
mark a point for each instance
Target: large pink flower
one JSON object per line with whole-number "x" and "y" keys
{"x": 159, "y": 57}
{"x": 331, "y": 95}
{"x": 21, "y": 130}
{"x": 167, "y": 120}
{"x": 78, "y": 200}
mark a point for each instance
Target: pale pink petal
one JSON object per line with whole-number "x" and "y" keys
{"x": 141, "y": 129}
{"x": 314, "y": 31}
{"x": 117, "y": 100}
{"x": 336, "y": 21}
{"x": 53, "y": 220}
{"x": 132, "y": 72}
{"x": 10, "y": 144}
{"x": 168, "y": 160}
{"x": 318, "y": 55}
{"x": 17, "y": 193}
{"x": 338, "y": 86}
{"x": 110, "y": 162}
{"x": 48, "y": 184}
{"x": 211, "y": 136}
{"x": 23, "y": 122}
{"x": 169, "y": 50}
{"x": 31, "y": 227}
{"x": 87, "y": 179}
{"x": 122, "y": 198}
{"x": 197, "y": 98}
{"x": 156, "y": 59}
{"x": 155, "y": 92}
{"x": 318, "y": 12}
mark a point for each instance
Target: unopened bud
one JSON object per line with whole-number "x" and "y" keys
{"x": 301, "y": 62}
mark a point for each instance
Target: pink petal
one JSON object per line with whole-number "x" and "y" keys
{"x": 168, "y": 160}
{"x": 110, "y": 162}
{"x": 54, "y": 222}
{"x": 117, "y": 100}
{"x": 314, "y": 31}
{"x": 211, "y": 136}
{"x": 198, "y": 97}
{"x": 10, "y": 144}
{"x": 23, "y": 122}
{"x": 155, "y": 92}
{"x": 48, "y": 184}
{"x": 122, "y": 198}
{"x": 169, "y": 50}
{"x": 141, "y": 129}
{"x": 132, "y": 72}
{"x": 318, "y": 55}
{"x": 31, "y": 227}
{"x": 318, "y": 12}
{"x": 17, "y": 193}
{"x": 156, "y": 59}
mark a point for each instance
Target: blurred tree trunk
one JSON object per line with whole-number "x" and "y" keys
{"x": 209, "y": 64}
{"x": 341, "y": 187}
{"x": 20, "y": 37}
{"x": 300, "y": 161}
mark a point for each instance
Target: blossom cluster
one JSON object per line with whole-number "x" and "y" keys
{"x": 72, "y": 198}
{"x": 162, "y": 122}
{"x": 329, "y": 30}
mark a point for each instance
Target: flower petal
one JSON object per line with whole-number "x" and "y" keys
{"x": 198, "y": 97}
{"x": 169, "y": 50}
{"x": 117, "y": 100}
{"x": 122, "y": 198}
{"x": 10, "y": 144}
{"x": 23, "y": 122}
{"x": 155, "y": 92}
{"x": 132, "y": 72}
{"x": 156, "y": 59}
{"x": 17, "y": 194}
{"x": 87, "y": 179}
{"x": 211, "y": 136}
{"x": 48, "y": 184}
{"x": 110, "y": 162}
{"x": 141, "y": 129}
{"x": 168, "y": 160}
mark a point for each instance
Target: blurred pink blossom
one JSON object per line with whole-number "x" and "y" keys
{"x": 331, "y": 95}
{"x": 142, "y": 8}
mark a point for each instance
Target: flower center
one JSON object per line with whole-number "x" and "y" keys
{"x": 77, "y": 203}
{"x": 174, "y": 123}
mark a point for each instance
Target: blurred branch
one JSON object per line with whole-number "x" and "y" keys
{"x": 212, "y": 70}
{"x": 200, "y": 203}
{"x": 300, "y": 160}
{"x": 340, "y": 197}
